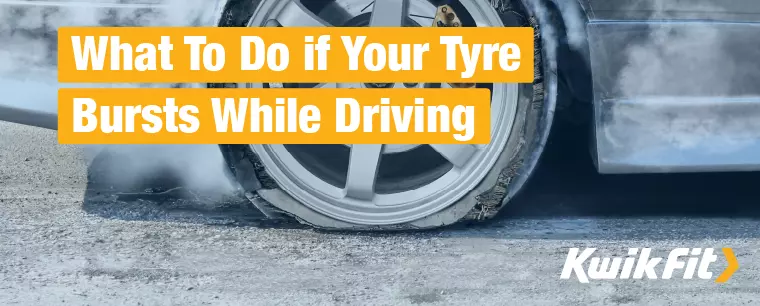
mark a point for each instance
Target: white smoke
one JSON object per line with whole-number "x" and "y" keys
{"x": 28, "y": 57}
{"x": 574, "y": 22}
{"x": 677, "y": 60}
{"x": 674, "y": 60}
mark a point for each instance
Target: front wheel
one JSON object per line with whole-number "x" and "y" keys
{"x": 396, "y": 186}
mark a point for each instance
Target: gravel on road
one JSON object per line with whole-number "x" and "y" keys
{"x": 65, "y": 239}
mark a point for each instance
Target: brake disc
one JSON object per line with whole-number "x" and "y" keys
{"x": 446, "y": 17}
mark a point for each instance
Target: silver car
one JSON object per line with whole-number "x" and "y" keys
{"x": 668, "y": 86}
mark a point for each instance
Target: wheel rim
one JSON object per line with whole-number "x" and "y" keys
{"x": 361, "y": 189}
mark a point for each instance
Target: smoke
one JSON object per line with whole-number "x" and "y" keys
{"x": 663, "y": 64}
{"x": 574, "y": 23}
{"x": 28, "y": 54}
{"x": 678, "y": 56}
{"x": 673, "y": 65}
{"x": 548, "y": 32}
{"x": 679, "y": 64}
{"x": 28, "y": 32}
{"x": 197, "y": 167}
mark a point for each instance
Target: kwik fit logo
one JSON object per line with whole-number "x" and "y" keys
{"x": 639, "y": 264}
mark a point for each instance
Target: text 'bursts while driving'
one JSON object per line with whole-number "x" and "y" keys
{"x": 281, "y": 116}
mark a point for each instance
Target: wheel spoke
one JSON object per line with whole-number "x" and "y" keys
{"x": 326, "y": 85}
{"x": 296, "y": 15}
{"x": 362, "y": 171}
{"x": 457, "y": 154}
{"x": 389, "y": 13}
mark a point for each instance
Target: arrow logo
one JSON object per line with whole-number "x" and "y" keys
{"x": 733, "y": 265}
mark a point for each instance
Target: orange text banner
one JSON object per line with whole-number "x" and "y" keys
{"x": 295, "y": 55}
{"x": 273, "y": 116}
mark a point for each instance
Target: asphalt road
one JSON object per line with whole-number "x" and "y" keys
{"x": 73, "y": 232}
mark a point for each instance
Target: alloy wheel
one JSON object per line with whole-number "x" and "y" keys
{"x": 382, "y": 184}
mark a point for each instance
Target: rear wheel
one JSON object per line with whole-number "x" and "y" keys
{"x": 393, "y": 186}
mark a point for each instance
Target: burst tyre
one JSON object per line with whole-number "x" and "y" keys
{"x": 381, "y": 187}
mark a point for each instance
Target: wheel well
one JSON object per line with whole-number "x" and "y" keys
{"x": 566, "y": 22}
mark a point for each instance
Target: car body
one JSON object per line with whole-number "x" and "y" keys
{"x": 675, "y": 85}
{"x": 670, "y": 86}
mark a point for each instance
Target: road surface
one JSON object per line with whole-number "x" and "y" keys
{"x": 72, "y": 232}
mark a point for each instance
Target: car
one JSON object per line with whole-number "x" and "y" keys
{"x": 667, "y": 86}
